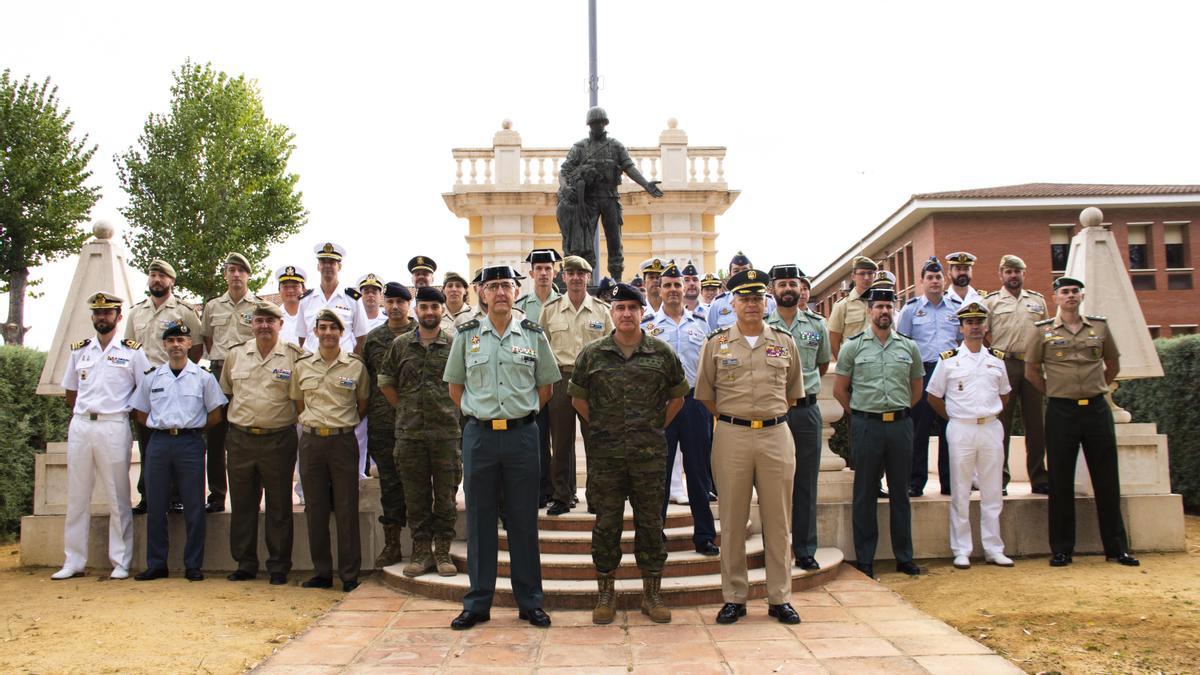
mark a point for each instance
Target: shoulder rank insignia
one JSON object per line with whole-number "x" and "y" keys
{"x": 1092, "y": 317}
{"x": 307, "y": 293}
{"x": 305, "y": 355}
{"x": 207, "y": 369}
{"x": 990, "y": 294}
{"x": 353, "y": 292}
{"x": 355, "y": 356}
{"x": 526, "y": 323}
{"x": 132, "y": 344}
{"x": 717, "y": 332}
{"x": 912, "y": 300}
{"x": 553, "y": 300}
{"x": 996, "y": 353}
{"x": 1030, "y": 292}
{"x": 149, "y": 370}
{"x": 1043, "y": 322}
{"x": 469, "y": 325}
{"x": 949, "y": 353}
{"x": 81, "y": 344}
{"x": 859, "y": 334}
{"x": 295, "y": 348}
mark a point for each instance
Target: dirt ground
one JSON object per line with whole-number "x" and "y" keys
{"x": 1091, "y": 617}
{"x": 95, "y": 625}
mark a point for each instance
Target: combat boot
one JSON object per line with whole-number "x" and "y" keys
{"x": 652, "y": 604}
{"x": 421, "y": 561}
{"x": 441, "y": 556}
{"x": 606, "y": 604}
{"x": 391, "y": 554}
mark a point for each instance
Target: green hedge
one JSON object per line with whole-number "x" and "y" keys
{"x": 1172, "y": 402}
{"x": 28, "y": 422}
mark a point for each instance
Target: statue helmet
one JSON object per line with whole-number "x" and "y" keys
{"x": 596, "y": 114}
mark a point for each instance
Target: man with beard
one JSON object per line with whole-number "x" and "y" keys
{"x": 1013, "y": 312}
{"x": 931, "y": 320}
{"x": 791, "y": 288}
{"x": 541, "y": 269}
{"x": 291, "y": 281}
{"x": 370, "y": 290}
{"x": 381, "y": 419}
{"x": 749, "y": 375}
{"x": 849, "y": 315}
{"x": 691, "y": 286}
{"x": 427, "y": 434}
{"x": 147, "y": 320}
{"x": 879, "y": 379}
{"x": 720, "y": 313}
{"x": 422, "y": 268}
{"x": 458, "y": 310}
{"x": 100, "y": 379}
{"x": 962, "y": 264}
{"x": 710, "y": 286}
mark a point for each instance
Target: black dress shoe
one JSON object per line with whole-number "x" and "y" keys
{"x": 1060, "y": 560}
{"x": 175, "y": 507}
{"x": 883, "y": 494}
{"x": 542, "y": 502}
{"x": 467, "y": 620}
{"x": 712, "y": 497}
{"x": 348, "y": 586}
{"x": 240, "y": 575}
{"x": 1041, "y": 488}
{"x": 574, "y": 500}
{"x": 214, "y": 507}
{"x": 1004, "y": 492}
{"x": 557, "y": 508}
{"x": 807, "y": 563}
{"x": 193, "y": 574}
{"x": 708, "y": 548}
{"x": 946, "y": 491}
{"x": 915, "y": 492}
{"x": 910, "y": 568}
{"x": 278, "y": 579}
{"x": 318, "y": 582}
{"x": 866, "y": 568}
{"x": 591, "y": 509}
{"x": 140, "y": 508}
{"x": 152, "y": 574}
{"x": 1123, "y": 559}
{"x": 535, "y": 617}
{"x": 784, "y": 613}
{"x": 731, "y": 612}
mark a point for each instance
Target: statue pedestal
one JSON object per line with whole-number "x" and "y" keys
{"x": 1142, "y": 456}
{"x": 836, "y": 482}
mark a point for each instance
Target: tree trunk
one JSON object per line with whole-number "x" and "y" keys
{"x": 14, "y": 329}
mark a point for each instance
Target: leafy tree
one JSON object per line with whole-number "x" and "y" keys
{"x": 43, "y": 197}
{"x": 207, "y": 178}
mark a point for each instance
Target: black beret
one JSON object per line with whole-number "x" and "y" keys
{"x": 1067, "y": 281}
{"x": 430, "y": 294}
{"x": 396, "y": 290}
{"x": 624, "y": 291}
{"x": 176, "y": 329}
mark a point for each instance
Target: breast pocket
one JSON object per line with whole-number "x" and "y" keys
{"x": 479, "y": 370}
{"x": 730, "y": 368}
{"x": 558, "y": 324}
{"x": 778, "y": 368}
{"x": 310, "y": 384}
{"x": 869, "y": 366}
{"x": 519, "y": 370}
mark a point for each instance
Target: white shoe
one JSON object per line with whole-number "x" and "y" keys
{"x": 119, "y": 573}
{"x": 679, "y": 499}
{"x": 1000, "y": 559}
{"x": 66, "y": 573}
{"x": 962, "y": 562}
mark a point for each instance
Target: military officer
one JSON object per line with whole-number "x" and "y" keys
{"x": 637, "y": 283}
{"x": 692, "y": 427}
{"x": 710, "y": 287}
{"x": 330, "y": 389}
{"x": 652, "y": 270}
{"x": 931, "y": 321}
{"x": 381, "y": 419}
{"x": 426, "y": 450}
{"x": 458, "y": 310}
{"x": 261, "y": 444}
{"x": 500, "y": 372}
{"x": 962, "y": 265}
{"x": 100, "y": 379}
{"x": 605, "y": 288}
{"x": 749, "y": 376}
{"x": 879, "y": 379}
{"x": 541, "y": 268}
{"x": 720, "y": 313}
{"x": 1012, "y": 312}
{"x": 328, "y": 295}
{"x": 968, "y": 388}
{"x": 370, "y": 291}
{"x": 691, "y": 287}
{"x": 422, "y": 268}
{"x": 849, "y": 315}
{"x": 569, "y": 322}
{"x": 146, "y": 322}
{"x": 178, "y": 400}
{"x": 628, "y": 386}
{"x": 791, "y": 289}
{"x": 226, "y": 322}
{"x": 1074, "y": 361}
{"x": 291, "y": 280}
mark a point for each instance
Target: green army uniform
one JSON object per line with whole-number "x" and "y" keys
{"x": 381, "y": 424}
{"x": 532, "y": 306}
{"x": 881, "y": 432}
{"x": 426, "y": 447}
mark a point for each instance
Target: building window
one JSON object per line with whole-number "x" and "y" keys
{"x": 1179, "y": 281}
{"x": 1154, "y": 330}
{"x": 1060, "y": 247}
{"x": 1143, "y": 282}
{"x": 1183, "y": 330}
{"x": 908, "y": 266}
{"x": 1174, "y": 245}
{"x": 1139, "y": 250}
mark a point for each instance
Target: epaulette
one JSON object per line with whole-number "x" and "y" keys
{"x": 207, "y": 369}
{"x": 648, "y": 317}
{"x": 1029, "y": 292}
{"x": 236, "y": 344}
{"x": 352, "y": 355}
{"x": 991, "y": 293}
{"x": 719, "y": 296}
{"x": 185, "y": 304}
{"x": 718, "y": 332}
{"x": 949, "y": 353}
{"x": 859, "y": 334}
{"x": 1092, "y": 317}
{"x": 521, "y": 299}
{"x": 307, "y": 293}
{"x": 996, "y": 353}
{"x": 906, "y": 337}
{"x": 142, "y": 301}
{"x": 131, "y": 343}
{"x": 353, "y": 292}
{"x": 149, "y": 370}
{"x": 81, "y": 344}
{"x": 814, "y": 315}
{"x": 296, "y": 348}
{"x": 913, "y": 299}
{"x": 306, "y": 355}
{"x": 526, "y": 323}
{"x": 552, "y": 301}
{"x": 1043, "y": 322}
{"x": 469, "y": 325}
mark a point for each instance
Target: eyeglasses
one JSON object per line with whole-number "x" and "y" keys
{"x": 497, "y": 286}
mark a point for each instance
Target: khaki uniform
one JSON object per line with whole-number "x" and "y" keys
{"x": 532, "y": 305}
{"x": 849, "y": 315}
{"x": 262, "y": 451}
{"x": 329, "y": 456}
{"x": 146, "y": 324}
{"x": 752, "y": 389}
{"x": 1011, "y": 320}
{"x": 568, "y": 329}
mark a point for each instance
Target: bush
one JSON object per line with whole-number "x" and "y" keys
{"x": 1173, "y": 404}
{"x": 29, "y": 422}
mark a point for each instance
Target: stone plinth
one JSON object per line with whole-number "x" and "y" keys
{"x": 1143, "y": 460}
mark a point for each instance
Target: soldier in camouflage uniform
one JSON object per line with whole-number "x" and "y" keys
{"x": 381, "y": 420}
{"x": 427, "y": 434}
{"x": 628, "y": 385}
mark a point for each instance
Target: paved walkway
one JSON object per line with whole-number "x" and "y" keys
{"x": 851, "y": 625}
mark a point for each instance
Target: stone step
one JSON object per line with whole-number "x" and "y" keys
{"x": 687, "y": 591}
{"x": 579, "y": 541}
{"x": 579, "y": 520}
{"x": 579, "y": 565}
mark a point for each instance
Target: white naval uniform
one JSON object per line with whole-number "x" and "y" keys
{"x": 971, "y": 384}
{"x": 105, "y": 380}
{"x": 354, "y": 318}
{"x": 290, "y": 331}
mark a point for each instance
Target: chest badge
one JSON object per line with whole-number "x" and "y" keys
{"x": 474, "y": 343}
{"x": 960, "y": 387}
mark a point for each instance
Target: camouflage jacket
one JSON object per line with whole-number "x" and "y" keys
{"x": 375, "y": 347}
{"x": 425, "y": 410}
{"x": 627, "y": 398}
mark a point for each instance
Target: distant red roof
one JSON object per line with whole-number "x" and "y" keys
{"x": 1034, "y": 190}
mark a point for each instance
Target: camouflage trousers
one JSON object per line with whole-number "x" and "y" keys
{"x": 643, "y": 481}
{"x": 380, "y": 444}
{"x": 431, "y": 471}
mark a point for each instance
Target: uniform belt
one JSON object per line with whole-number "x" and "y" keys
{"x": 753, "y": 424}
{"x": 892, "y": 416}
{"x": 258, "y": 431}
{"x": 973, "y": 420}
{"x": 103, "y": 417}
{"x": 1014, "y": 356}
{"x": 503, "y": 425}
{"x": 806, "y": 401}
{"x": 1094, "y": 400}
{"x": 178, "y": 432}
{"x": 328, "y": 431}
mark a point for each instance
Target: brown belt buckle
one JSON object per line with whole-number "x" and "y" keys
{"x": 324, "y": 431}
{"x": 499, "y": 425}
{"x": 1083, "y": 401}
{"x": 93, "y": 416}
{"x": 889, "y": 417}
{"x": 981, "y": 420}
{"x": 256, "y": 431}
{"x": 173, "y": 432}
{"x": 756, "y": 424}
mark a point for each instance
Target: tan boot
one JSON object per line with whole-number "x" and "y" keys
{"x": 652, "y": 604}
{"x": 606, "y": 604}
{"x": 421, "y": 561}
{"x": 391, "y": 553}
{"x": 441, "y": 556}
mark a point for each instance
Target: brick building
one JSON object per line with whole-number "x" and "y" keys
{"x": 1155, "y": 225}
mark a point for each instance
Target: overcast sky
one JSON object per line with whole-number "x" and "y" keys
{"x": 833, "y": 113}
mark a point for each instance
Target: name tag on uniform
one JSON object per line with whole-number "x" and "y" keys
{"x": 776, "y": 351}
{"x": 346, "y": 382}
{"x": 904, "y": 358}
{"x": 158, "y": 391}
{"x": 118, "y": 361}
{"x": 1036, "y": 309}
{"x": 596, "y": 325}
{"x": 731, "y": 361}
{"x": 282, "y": 374}
{"x": 523, "y": 351}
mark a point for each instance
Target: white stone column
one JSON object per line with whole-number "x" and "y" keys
{"x": 673, "y": 157}
{"x": 507, "y": 146}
